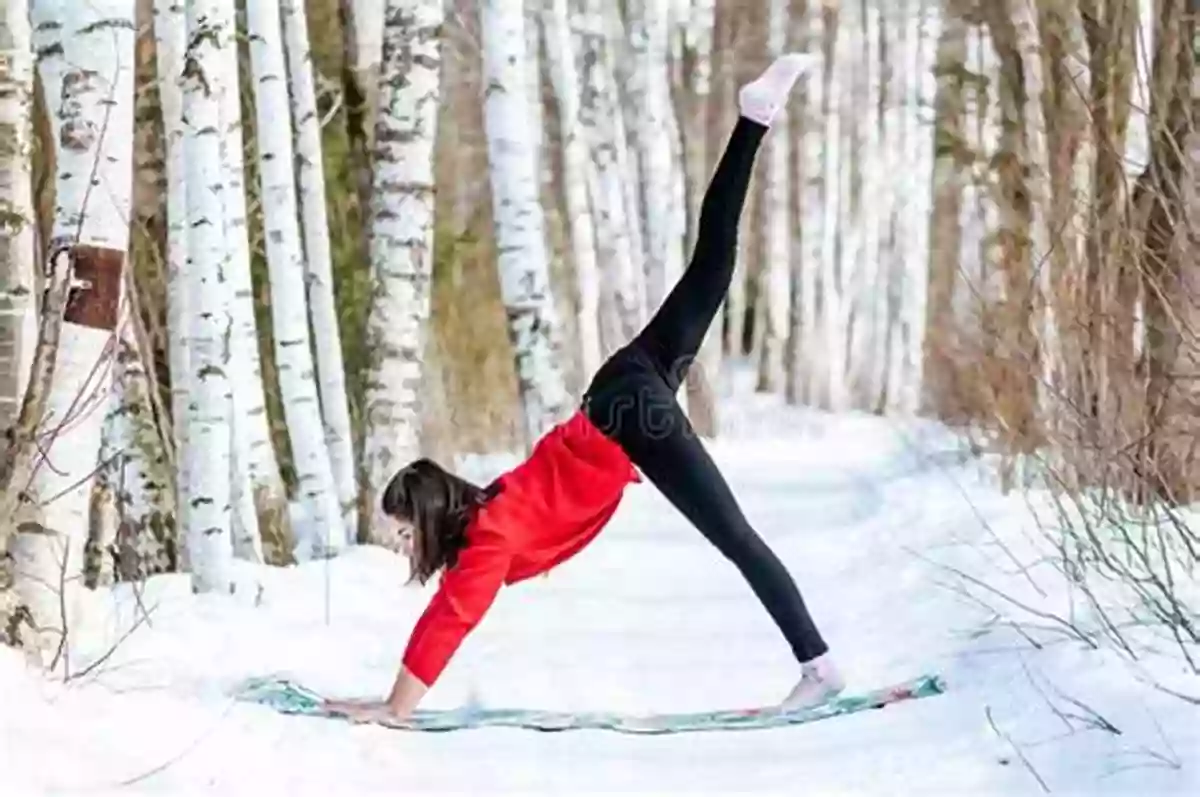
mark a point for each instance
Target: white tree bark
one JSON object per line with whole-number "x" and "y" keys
{"x": 135, "y": 477}
{"x": 285, "y": 261}
{"x": 401, "y": 235}
{"x": 982, "y": 286}
{"x": 533, "y": 80}
{"x": 1045, "y": 324}
{"x": 621, "y": 295}
{"x": 627, "y": 85}
{"x": 778, "y": 220}
{"x": 519, "y": 220}
{"x": 651, "y": 111}
{"x": 869, "y": 345}
{"x": 695, "y": 45}
{"x": 207, "y": 442}
{"x": 368, "y": 35}
{"x": 18, "y": 319}
{"x": 255, "y": 450}
{"x": 834, "y": 312}
{"x": 170, "y": 38}
{"x": 87, "y": 68}
{"x": 811, "y": 366}
{"x": 577, "y": 171}
{"x": 331, "y": 370}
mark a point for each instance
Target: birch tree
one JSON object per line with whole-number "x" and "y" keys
{"x": 946, "y": 377}
{"x": 285, "y": 261}
{"x": 87, "y": 66}
{"x": 910, "y": 90}
{"x": 652, "y": 105}
{"x": 207, "y": 441}
{"x": 1019, "y": 176}
{"x": 577, "y": 171}
{"x": 871, "y": 324}
{"x": 628, "y": 87}
{"x": 522, "y": 258}
{"x": 402, "y": 234}
{"x": 832, "y": 386}
{"x": 1069, "y": 168}
{"x": 170, "y": 40}
{"x": 1170, "y": 203}
{"x": 252, "y": 445}
{"x": 136, "y": 483}
{"x": 621, "y": 297}
{"x": 318, "y": 262}
{"x": 777, "y": 217}
{"x": 18, "y": 330}
{"x": 697, "y": 22}
{"x": 1111, "y": 280}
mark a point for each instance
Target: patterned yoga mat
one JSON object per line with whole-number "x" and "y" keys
{"x": 290, "y": 697}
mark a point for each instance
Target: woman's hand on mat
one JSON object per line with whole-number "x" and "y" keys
{"x": 364, "y": 710}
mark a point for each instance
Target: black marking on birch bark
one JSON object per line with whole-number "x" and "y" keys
{"x": 115, "y": 23}
{"x": 96, "y": 286}
{"x": 210, "y": 370}
{"x": 55, "y": 49}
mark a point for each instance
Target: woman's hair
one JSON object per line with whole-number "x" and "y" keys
{"x": 438, "y": 504}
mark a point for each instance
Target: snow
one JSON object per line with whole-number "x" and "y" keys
{"x": 865, "y": 511}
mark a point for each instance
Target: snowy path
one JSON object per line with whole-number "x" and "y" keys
{"x": 649, "y": 618}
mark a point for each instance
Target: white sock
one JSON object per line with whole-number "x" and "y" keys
{"x": 760, "y": 99}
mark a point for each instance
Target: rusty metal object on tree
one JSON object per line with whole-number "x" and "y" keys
{"x": 95, "y": 294}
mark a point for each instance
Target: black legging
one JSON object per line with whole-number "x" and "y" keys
{"x": 631, "y": 399}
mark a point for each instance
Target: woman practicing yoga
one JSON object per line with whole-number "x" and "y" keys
{"x": 553, "y": 504}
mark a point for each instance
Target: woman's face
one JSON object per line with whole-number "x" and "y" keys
{"x": 404, "y": 532}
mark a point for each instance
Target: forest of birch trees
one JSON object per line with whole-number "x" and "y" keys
{"x": 255, "y": 255}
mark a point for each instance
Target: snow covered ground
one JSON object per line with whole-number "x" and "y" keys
{"x": 864, "y": 511}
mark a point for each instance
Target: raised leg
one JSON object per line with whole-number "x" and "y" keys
{"x": 674, "y": 334}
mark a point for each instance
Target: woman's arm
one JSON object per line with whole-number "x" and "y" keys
{"x": 406, "y": 694}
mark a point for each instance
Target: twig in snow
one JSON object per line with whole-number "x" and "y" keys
{"x": 182, "y": 753}
{"x": 137, "y": 623}
{"x": 992, "y": 722}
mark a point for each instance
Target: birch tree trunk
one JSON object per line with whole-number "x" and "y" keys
{"x": 799, "y": 40}
{"x": 285, "y": 260}
{"x": 1111, "y": 279}
{"x": 872, "y": 320}
{"x": 953, "y": 155}
{"x": 834, "y": 315}
{"x": 87, "y": 65}
{"x": 699, "y": 18}
{"x": 577, "y": 172}
{"x": 1016, "y": 387}
{"x": 778, "y": 224}
{"x": 622, "y": 311}
{"x": 810, "y": 376}
{"x": 318, "y": 261}
{"x": 849, "y": 233}
{"x": 366, "y": 30}
{"x": 1069, "y": 162}
{"x": 170, "y": 33}
{"x": 18, "y": 320}
{"x": 652, "y": 104}
{"x": 207, "y": 442}
{"x": 520, "y": 238}
{"x": 402, "y": 236}
{"x": 129, "y": 528}
{"x": 253, "y": 446}
{"x": 1172, "y": 236}
{"x": 628, "y": 87}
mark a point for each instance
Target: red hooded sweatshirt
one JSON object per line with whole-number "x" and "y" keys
{"x": 548, "y": 509}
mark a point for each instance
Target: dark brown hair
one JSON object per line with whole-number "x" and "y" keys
{"x": 438, "y": 504}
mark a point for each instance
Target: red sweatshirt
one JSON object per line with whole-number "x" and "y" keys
{"x": 549, "y": 508}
